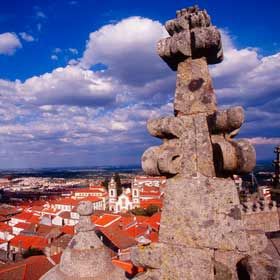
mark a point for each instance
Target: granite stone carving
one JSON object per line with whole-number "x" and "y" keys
{"x": 202, "y": 233}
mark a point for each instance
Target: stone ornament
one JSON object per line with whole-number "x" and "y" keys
{"x": 199, "y": 138}
{"x": 202, "y": 233}
{"x": 85, "y": 257}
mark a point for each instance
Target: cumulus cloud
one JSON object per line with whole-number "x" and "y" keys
{"x": 128, "y": 49}
{"x": 54, "y": 57}
{"x": 9, "y": 43}
{"x": 245, "y": 76}
{"x": 26, "y": 37}
{"x": 100, "y": 114}
{"x": 71, "y": 86}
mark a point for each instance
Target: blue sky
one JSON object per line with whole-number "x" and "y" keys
{"x": 79, "y": 79}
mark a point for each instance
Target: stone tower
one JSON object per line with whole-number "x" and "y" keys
{"x": 113, "y": 197}
{"x": 135, "y": 193}
{"x": 202, "y": 235}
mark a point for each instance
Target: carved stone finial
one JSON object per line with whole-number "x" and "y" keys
{"x": 85, "y": 256}
{"x": 199, "y": 139}
{"x": 202, "y": 230}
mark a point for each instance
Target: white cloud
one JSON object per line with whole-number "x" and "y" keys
{"x": 102, "y": 115}
{"x": 9, "y": 43}
{"x": 73, "y": 50}
{"x": 54, "y": 57}
{"x": 70, "y": 85}
{"x": 26, "y": 37}
{"x": 244, "y": 76}
{"x": 265, "y": 140}
{"x": 128, "y": 49}
{"x": 57, "y": 50}
{"x": 40, "y": 15}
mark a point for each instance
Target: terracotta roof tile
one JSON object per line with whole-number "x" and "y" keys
{"x": 4, "y": 227}
{"x": 26, "y": 242}
{"x": 106, "y": 220}
{"x": 118, "y": 237}
{"x": 22, "y": 225}
{"x": 91, "y": 199}
{"x": 31, "y": 268}
{"x": 68, "y": 229}
{"x": 23, "y": 216}
{"x": 128, "y": 267}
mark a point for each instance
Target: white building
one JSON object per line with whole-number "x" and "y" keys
{"x": 142, "y": 189}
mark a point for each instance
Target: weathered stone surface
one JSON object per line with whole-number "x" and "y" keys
{"x": 202, "y": 233}
{"x": 203, "y": 212}
{"x": 85, "y": 256}
{"x": 192, "y": 36}
{"x": 176, "y": 262}
{"x": 227, "y": 120}
{"x": 194, "y": 92}
{"x": 259, "y": 267}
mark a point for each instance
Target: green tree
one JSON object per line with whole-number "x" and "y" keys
{"x": 105, "y": 184}
{"x": 152, "y": 209}
{"x": 138, "y": 211}
{"x": 149, "y": 211}
{"x": 32, "y": 252}
{"x": 118, "y": 183}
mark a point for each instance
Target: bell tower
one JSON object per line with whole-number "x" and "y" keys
{"x": 112, "y": 194}
{"x": 135, "y": 193}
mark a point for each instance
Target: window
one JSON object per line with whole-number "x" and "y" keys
{"x": 135, "y": 192}
{"x": 112, "y": 192}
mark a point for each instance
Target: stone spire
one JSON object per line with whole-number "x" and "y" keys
{"x": 202, "y": 235}
{"x": 85, "y": 256}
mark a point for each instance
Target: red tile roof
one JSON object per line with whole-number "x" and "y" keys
{"x": 137, "y": 230}
{"x": 65, "y": 215}
{"x": 65, "y": 201}
{"x": 22, "y": 225}
{"x": 118, "y": 237}
{"x": 5, "y": 227}
{"x": 68, "y": 230}
{"x": 106, "y": 220}
{"x": 28, "y": 242}
{"x": 23, "y": 216}
{"x": 31, "y": 268}
{"x": 128, "y": 267}
{"x": 146, "y": 203}
{"x": 34, "y": 219}
{"x": 91, "y": 199}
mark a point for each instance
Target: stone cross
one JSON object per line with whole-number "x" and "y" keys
{"x": 198, "y": 139}
{"x": 202, "y": 234}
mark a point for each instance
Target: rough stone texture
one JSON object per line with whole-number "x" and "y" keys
{"x": 194, "y": 92}
{"x": 85, "y": 257}
{"x": 262, "y": 215}
{"x": 202, "y": 233}
{"x": 175, "y": 261}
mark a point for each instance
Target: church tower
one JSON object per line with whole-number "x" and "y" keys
{"x": 135, "y": 193}
{"x": 112, "y": 194}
